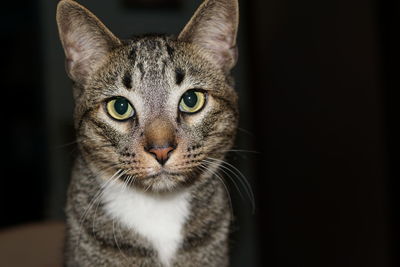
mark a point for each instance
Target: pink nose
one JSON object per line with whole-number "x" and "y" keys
{"x": 161, "y": 154}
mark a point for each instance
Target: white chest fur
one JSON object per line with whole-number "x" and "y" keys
{"x": 159, "y": 219}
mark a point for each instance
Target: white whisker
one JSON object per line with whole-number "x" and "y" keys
{"x": 92, "y": 202}
{"x": 240, "y": 176}
{"x": 116, "y": 241}
{"x": 212, "y": 172}
{"x": 243, "y": 151}
{"x": 218, "y": 165}
{"x": 112, "y": 181}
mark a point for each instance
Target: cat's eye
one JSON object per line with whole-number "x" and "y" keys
{"x": 120, "y": 109}
{"x": 192, "y": 101}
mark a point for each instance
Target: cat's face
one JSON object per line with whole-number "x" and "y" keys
{"x": 152, "y": 75}
{"x": 154, "y": 112}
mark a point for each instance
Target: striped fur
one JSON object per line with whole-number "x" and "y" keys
{"x": 152, "y": 72}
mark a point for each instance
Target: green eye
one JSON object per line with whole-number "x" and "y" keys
{"x": 192, "y": 101}
{"x": 120, "y": 109}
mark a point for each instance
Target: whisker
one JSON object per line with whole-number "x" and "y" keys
{"x": 217, "y": 165}
{"x": 97, "y": 194}
{"x": 126, "y": 182}
{"x": 147, "y": 188}
{"x": 245, "y": 131}
{"x": 90, "y": 205}
{"x": 80, "y": 140}
{"x": 242, "y": 179}
{"x": 242, "y": 151}
{"x": 66, "y": 145}
{"x": 224, "y": 185}
{"x": 113, "y": 180}
{"x": 116, "y": 241}
{"x": 133, "y": 180}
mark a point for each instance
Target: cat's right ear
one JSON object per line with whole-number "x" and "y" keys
{"x": 85, "y": 39}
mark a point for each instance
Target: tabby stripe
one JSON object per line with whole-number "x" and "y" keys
{"x": 101, "y": 125}
{"x": 141, "y": 69}
{"x": 218, "y": 134}
{"x": 202, "y": 239}
{"x": 94, "y": 236}
{"x": 165, "y": 63}
{"x": 132, "y": 55}
{"x": 230, "y": 105}
{"x": 83, "y": 117}
{"x": 217, "y": 113}
{"x": 127, "y": 80}
{"x": 95, "y": 157}
{"x": 179, "y": 76}
{"x": 170, "y": 51}
{"x": 105, "y": 131}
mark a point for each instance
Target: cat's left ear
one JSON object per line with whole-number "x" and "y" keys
{"x": 214, "y": 27}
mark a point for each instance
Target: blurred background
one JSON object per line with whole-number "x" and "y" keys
{"x": 317, "y": 83}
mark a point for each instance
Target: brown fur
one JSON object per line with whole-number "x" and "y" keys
{"x": 152, "y": 72}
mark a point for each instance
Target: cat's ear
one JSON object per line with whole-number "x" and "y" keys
{"x": 214, "y": 27}
{"x": 85, "y": 39}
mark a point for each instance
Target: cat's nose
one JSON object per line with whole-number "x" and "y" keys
{"x": 160, "y": 139}
{"x": 161, "y": 154}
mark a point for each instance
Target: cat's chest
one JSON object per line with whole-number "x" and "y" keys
{"x": 159, "y": 219}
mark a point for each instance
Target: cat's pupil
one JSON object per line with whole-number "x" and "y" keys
{"x": 190, "y": 99}
{"x": 121, "y": 106}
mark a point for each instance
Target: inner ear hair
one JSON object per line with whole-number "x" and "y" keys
{"x": 214, "y": 27}
{"x": 85, "y": 39}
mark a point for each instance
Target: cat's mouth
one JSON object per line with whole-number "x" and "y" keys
{"x": 165, "y": 173}
{"x": 163, "y": 180}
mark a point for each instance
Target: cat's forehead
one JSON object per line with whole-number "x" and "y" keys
{"x": 155, "y": 68}
{"x": 157, "y": 64}
{"x": 151, "y": 48}
{"x": 148, "y": 67}
{"x": 147, "y": 71}
{"x": 149, "y": 61}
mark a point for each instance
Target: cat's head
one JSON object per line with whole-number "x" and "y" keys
{"x": 157, "y": 112}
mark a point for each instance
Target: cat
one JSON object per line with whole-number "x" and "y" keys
{"x": 154, "y": 117}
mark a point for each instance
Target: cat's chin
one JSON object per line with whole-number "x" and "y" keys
{"x": 163, "y": 181}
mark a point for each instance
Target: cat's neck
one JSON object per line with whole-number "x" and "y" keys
{"x": 157, "y": 218}
{"x": 187, "y": 219}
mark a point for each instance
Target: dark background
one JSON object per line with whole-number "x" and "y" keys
{"x": 317, "y": 83}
